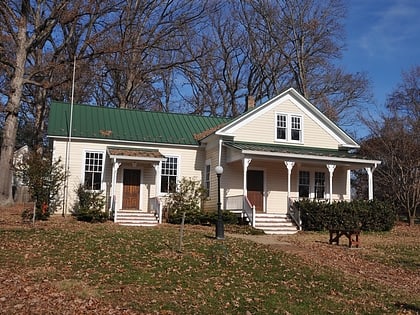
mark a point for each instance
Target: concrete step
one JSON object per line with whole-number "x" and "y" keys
{"x": 273, "y": 223}
{"x": 135, "y": 218}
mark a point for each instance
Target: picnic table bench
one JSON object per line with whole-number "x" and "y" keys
{"x": 351, "y": 234}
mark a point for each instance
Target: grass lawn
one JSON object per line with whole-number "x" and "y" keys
{"x": 79, "y": 268}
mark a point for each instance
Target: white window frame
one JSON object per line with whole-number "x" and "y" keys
{"x": 207, "y": 177}
{"x": 289, "y": 127}
{"x": 102, "y": 168}
{"x": 161, "y": 173}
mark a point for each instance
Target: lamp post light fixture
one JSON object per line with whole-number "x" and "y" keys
{"x": 220, "y": 233}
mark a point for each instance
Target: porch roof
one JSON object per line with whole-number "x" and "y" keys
{"x": 298, "y": 152}
{"x": 138, "y": 154}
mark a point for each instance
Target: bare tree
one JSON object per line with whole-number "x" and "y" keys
{"x": 24, "y": 36}
{"x": 216, "y": 77}
{"x": 33, "y": 59}
{"x": 395, "y": 140}
{"x": 260, "y": 48}
{"x": 147, "y": 41}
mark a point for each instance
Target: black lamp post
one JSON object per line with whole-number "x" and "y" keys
{"x": 220, "y": 233}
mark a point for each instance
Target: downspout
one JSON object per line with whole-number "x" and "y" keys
{"x": 219, "y": 163}
{"x": 220, "y": 152}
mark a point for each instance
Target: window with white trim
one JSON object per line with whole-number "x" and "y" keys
{"x": 319, "y": 185}
{"x": 304, "y": 184}
{"x": 281, "y": 127}
{"x": 296, "y": 128}
{"x": 289, "y": 128}
{"x": 207, "y": 179}
{"x": 93, "y": 170}
{"x": 169, "y": 174}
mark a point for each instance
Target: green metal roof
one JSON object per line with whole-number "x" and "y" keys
{"x": 128, "y": 125}
{"x": 279, "y": 148}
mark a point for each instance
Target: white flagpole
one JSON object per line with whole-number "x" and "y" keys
{"x": 67, "y": 167}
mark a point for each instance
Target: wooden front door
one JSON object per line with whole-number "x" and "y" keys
{"x": 131, "y": 189}
{"x": 255, "y": 188}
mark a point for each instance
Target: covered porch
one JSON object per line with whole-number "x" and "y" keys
{"x": 264, "y": 179}
{"x": 134, "y": 185}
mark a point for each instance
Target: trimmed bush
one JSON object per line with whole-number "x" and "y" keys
{"x": 90, "y": 205}
{"x": 203, "y": 218}
{"x": 372, "y": 215}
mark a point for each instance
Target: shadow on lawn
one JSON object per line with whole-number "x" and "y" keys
{"x": 408, "y": 307}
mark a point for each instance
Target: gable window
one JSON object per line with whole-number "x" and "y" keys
{"x": 169, "y": 175}
{"x": 281, "y": 127}
{"x": 303, "y": 184}
{"x": 207, "y": 179}
{"x": 296, "y": 131}
{"x": 289, "y": 128}
{"x": 319, "y": 185}
{"x": 93, "y": 170}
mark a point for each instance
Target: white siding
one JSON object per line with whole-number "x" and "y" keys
{"x": 191, "y": 161}
{"x": 262, "y": 129}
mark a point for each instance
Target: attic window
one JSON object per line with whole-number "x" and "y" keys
{"x": 289, "y": 128}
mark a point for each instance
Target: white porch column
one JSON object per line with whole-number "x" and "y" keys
{"x": 115, "y": 166}
{"x": 157, "y": 190}
{"x": 369, "y": 170}
{"x": 245, "y": 163}
{"x": 156, "y": 167}
{"x": 289, "y": 165}
{"x": 331, "y": 168}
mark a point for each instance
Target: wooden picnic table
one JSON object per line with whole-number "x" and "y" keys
{"x": 351, "y": 234}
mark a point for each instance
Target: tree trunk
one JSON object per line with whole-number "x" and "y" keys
{"x": 11, "y": 122}
{"x": 411, "y": 221}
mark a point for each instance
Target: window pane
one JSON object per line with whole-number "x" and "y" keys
{"x": 88, "y": 180}
{"x": 281, "y": 127}
{"x": 169, "y": 172}
{"x": 295, "y": 135}
{"x": 319, "y": 185}
{"x": 164, "y": 187}
{"x": 296, "y": 128}
{"x": 93, "y": 170}
{"x": 281, "y": 133}
{"x": 304, "y": 184}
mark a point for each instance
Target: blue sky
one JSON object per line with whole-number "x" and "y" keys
{"x": 383, "y": 39}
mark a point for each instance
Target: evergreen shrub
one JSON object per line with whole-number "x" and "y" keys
{"x": 371, "y": 215}
{"x": 90, "y": 206}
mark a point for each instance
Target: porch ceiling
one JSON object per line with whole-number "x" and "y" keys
{"x": 297, "y": 153}
{"x": 139, "y": 154}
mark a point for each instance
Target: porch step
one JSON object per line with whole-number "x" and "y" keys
{"x": 275, "y": 223}
{"x": 135, "y": 218}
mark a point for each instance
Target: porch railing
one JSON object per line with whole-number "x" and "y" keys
{"x": 249, "y": 210}
{"x": 294, "y": 213}
{"x": 241, "y": 204}
{"x": 234, "y": 202}
{"x": 156, "y": 207}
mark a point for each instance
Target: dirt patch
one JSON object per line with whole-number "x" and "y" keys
{"x": 315, "y": 249}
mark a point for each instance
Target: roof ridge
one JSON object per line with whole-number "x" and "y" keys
{"x": 141, "y": 110}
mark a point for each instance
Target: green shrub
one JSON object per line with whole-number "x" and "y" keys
{"x": 203, "y": 218}
{"x": 90, "y": 205}
{"x": 187, "y": 198}
{"x": 369, "y": 215}
{"x": 44, "y": 179}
